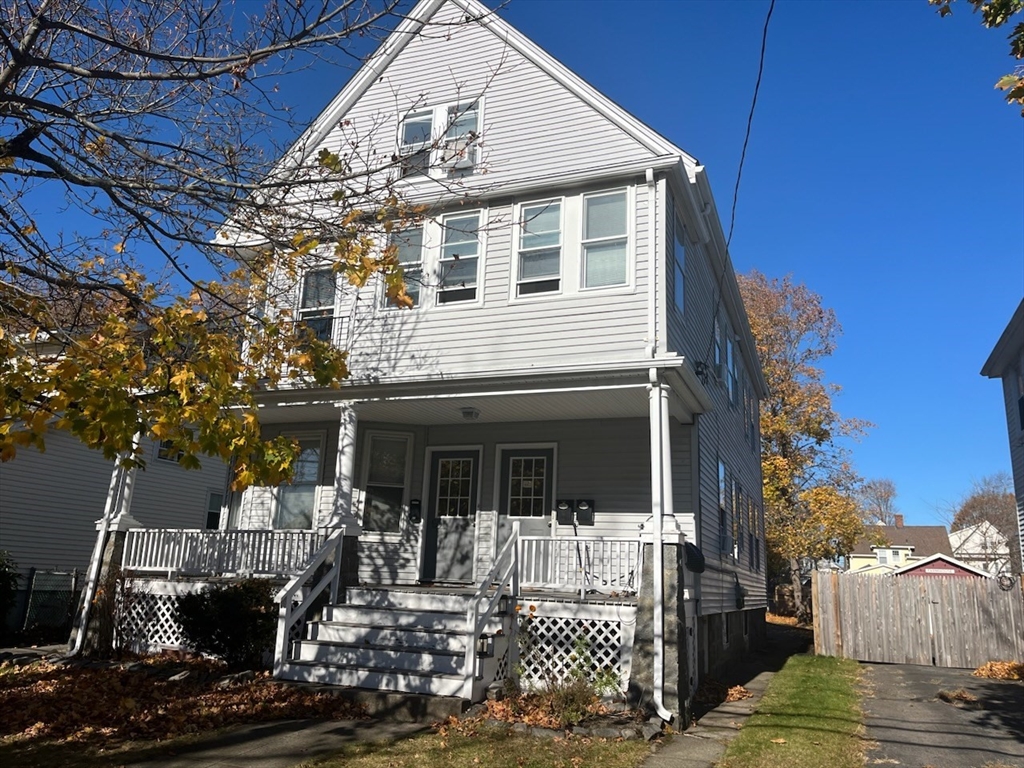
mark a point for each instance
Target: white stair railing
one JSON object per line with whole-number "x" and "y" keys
{"x": 291, "y": 612}
{"x": 504, "y": 573}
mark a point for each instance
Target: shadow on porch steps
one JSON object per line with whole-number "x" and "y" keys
{"x": 410, "y": 640}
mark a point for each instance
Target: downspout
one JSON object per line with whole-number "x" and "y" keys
{"x": 652, "y": 260}
{"x": 658, "y": 567}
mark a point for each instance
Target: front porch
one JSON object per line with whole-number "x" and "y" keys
{"x": 447, "y": 640}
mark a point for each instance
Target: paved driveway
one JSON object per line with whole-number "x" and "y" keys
{"x": 910, "y": 726}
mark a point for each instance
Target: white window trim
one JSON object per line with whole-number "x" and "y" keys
{"x": 630, "y": 284}
{"x": 439, "y": 125}
{"x": 318, "y": 487}
{"x": 425, "y": 285}
{"x": 434, "y": 268}
{"x": 158, "y": 448}
{"x": 334, "y": 307}
{"x": 364, "y": 475}
{"x": 513, "y": 293}
{"x": 499, "y": 450}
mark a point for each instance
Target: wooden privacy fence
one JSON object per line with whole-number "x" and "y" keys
{"x": 944, "y": 621}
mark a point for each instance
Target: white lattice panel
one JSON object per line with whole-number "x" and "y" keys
{"x": 150, "y": 624}
{"x": 557, "y": 639}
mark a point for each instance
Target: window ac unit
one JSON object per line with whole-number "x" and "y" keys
{"x": 458, "y": 154}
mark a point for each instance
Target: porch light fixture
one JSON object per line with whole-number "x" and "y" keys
{"x": 469, "y": 414}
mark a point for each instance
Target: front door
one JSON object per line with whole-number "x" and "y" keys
{"x": 451, "y": 515}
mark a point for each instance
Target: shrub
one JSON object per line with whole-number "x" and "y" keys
{"x": 234, "y": 622}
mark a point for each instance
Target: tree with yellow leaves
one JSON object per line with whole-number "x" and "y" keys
{"x": 810, "y": 505}
{"x": 148, "y": 225}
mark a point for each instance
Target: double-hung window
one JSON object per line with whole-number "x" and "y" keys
{"x": 415, "y": 141}
{"x": 460, "y": 257}
{"x": 540, "y": 248}
{"x": 605, "y": 240}
{"x": 459, "y": 150}
{"x": 316, "y": 304}
{"x": 296, "y": 500}
{"x": 387, "y": 469}
{"x": 408, "y": 244}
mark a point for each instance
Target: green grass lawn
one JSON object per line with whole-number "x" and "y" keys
{"x": 488, "y": 747}
{"x": 810, "y": 717}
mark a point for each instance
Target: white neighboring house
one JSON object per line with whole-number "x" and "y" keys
{"x": 1006, "y": 362}
{"x": 566, "y": 421}
{"x": 50, "y": 502}
{"x": 982, "y": 546}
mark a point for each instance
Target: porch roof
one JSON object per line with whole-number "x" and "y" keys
{"x": 605, "y": 393}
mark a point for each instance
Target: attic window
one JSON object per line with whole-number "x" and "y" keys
{"x": 442, "y": 137}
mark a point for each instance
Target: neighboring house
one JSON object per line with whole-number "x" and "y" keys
{"x": 1007, "y": 363}
{"x": 940, "y": 564}
{"x": 982, "y": 546}
{"x": 50, "y": 502}
{"x": 887, "y": 548}
{"x": 569, "y": 412}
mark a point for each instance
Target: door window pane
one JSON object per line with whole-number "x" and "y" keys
{"x": 454, "y": 487}
{"x": 527, "y": 486}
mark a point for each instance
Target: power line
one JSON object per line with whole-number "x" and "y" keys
{"x": 750, "y": 120}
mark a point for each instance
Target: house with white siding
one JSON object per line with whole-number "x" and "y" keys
{"x": 50, "y": 502}
{"x": 560, "y": 437}
{"x": 1006, "y": 362}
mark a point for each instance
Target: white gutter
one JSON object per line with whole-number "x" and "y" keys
{"x": 658, "y": 567}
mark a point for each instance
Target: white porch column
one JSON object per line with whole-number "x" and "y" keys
{"x": 343, "y": 511}
{"x": 124, "y": 520}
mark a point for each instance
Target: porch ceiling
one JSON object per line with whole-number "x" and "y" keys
{"x": 615, "y": 402}
{"x": 614, "y": 392}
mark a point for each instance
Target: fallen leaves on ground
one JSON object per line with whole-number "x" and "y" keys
{"x": 536, "y": 709}
{"x": 958, "y": 698}
{"x": 1001, "y": 670}
{"x": 711, "y": 693}
{"x": 112, "y": 704}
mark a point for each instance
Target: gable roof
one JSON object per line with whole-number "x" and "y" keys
{"x": 940, "y": 557}
{"x": 475, "y": 12}
{"x": 925, "y": 539}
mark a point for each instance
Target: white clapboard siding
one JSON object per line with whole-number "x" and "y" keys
{"x": 50, "y": 502}
{"x": 532, "y": 125}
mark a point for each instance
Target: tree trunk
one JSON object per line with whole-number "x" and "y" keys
{"x": 799, "y": 605}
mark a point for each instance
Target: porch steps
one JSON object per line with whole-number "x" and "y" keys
{"x": 399, "y": 640}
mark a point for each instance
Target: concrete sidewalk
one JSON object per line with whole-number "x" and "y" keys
{"x": 704, "y": 744}
{"x": 282, "y": 744}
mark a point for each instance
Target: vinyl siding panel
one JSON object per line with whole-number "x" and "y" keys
{"x": 531, "y": 125}
{"x": 720, "y": 435}
{"x": 50, "y": 502}
{"x": 576, "y": 327}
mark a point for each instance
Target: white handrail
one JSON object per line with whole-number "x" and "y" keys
{"x": 288, "y": 611}
{"x": 503, "y": 574}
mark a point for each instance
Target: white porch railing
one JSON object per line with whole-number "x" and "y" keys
{"x": 295, "y": 601}
{"x": 599, "y": 563}
{"x": 505, "y": 574}
{"x": 199, "y": 552}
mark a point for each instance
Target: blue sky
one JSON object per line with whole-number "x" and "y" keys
{"x": 884, "y": 172}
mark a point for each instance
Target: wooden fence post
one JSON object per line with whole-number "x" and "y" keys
{"x": 834, "y": 579}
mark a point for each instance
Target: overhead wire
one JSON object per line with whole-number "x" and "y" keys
{"x": 750, "y": 121}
